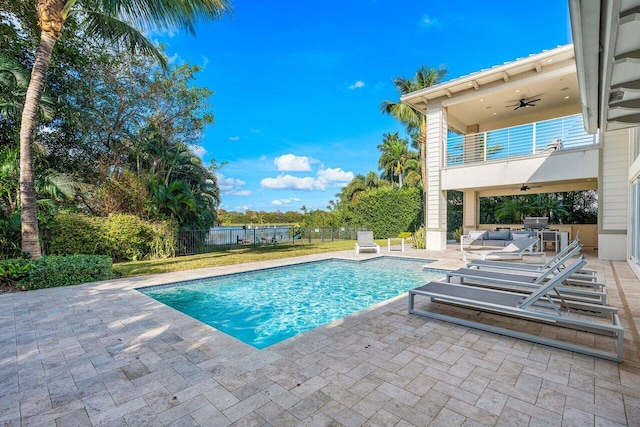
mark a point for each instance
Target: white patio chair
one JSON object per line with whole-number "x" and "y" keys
{"x": 365, "y": 242}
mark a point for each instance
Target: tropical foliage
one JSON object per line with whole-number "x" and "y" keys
{"x": 415, "y": 121}
{"x": 388, "y": 211}
{"x": 112, "y": 133}
{"x": 119, "y": 24}
{"x": 574, "y": 207}
{"x": 396, "y": 160}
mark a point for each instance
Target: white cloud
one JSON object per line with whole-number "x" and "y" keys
{"x": 205, "y": 61}
{"x": 198, "y": 150}
{"x": 255, "y": 130}
{"x": 284, "y": 182}
{"x": 429, "y": 21}
{"x": 241, "y": 193}
{"x": 291, "y": 163}
{"x": 326, "y": 178}
{"x": 331, "y": 176}
{"x": 243, "y": 208}
{"x": 234, "y": 138}
{"x": 357, "y": 85}
{"x": 285, "y": 201}
{"x": 228, "y": 185}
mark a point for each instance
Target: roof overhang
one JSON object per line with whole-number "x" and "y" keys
{"x": 485, "y": 100}
{"x": 606, "y": 35}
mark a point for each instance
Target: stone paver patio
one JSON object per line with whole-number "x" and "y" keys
{"x": 105, "y": 354}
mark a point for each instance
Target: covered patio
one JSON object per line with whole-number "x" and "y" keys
{"x": 512, "y": 129}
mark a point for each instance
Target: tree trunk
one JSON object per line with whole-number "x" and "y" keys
{"x": 29, "y": 218}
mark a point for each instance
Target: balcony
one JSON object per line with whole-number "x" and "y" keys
{"x": 564, "y": 133}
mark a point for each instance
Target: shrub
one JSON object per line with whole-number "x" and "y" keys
{"x": 420, "y": 238}
{"x": 387, "y": 211}
{"x": 73, "y": 233}
{"x": 457, "y": 234}
{"x": 120, "y": 236}
{"x": 14, "y": 270}
{"x": 55, "y": 271}
{"x": 10, "y": 236}
{"x": 164, "y": 239}
{"x": 128, "y": 237}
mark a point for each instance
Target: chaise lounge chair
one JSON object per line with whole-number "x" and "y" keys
{"x": 365, "y": 242}
{"x": 523, "y": 308}
{"x": 516, "y": 249}
{"x": 571, "y": 295}
{"x": 558, "y": 261}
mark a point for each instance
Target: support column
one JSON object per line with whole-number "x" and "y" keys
{"x": 436, "y": 209}
{"x": 470, "y": 210}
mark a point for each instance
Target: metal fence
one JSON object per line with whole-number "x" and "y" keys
{"x": 224, "y": 238}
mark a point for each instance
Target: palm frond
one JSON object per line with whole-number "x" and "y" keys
{"x": 166, "y": 14}
{"x": 12, "y": 73}
{"x": 122, "y": 34}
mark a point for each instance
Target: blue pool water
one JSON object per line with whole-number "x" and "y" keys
{"x": 264, "y": 307}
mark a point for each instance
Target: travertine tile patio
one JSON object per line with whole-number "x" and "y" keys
{"x": 104, "y": 354}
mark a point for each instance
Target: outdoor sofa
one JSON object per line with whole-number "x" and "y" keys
{"x": 500, "y": 238}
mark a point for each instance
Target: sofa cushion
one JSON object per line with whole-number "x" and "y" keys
{"x": 476, "y": 235}
{"x": 498, "y": 235}
{"x": 521, "y": 234}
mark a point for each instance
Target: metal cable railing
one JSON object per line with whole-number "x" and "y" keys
{"x": 531, "y": 138}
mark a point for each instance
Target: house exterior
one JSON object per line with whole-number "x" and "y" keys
{"x": 541, "y": 124}
{"x": 606, "y": 35}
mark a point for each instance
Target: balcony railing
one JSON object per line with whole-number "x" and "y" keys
{"x": 549, "y": 135}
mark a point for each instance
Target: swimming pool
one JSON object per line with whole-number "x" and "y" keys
{"x": 264, "y": 307}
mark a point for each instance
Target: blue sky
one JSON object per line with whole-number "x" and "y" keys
{"x": 298, "y": 84}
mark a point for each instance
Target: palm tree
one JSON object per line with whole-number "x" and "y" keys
{"x": 360, "y": 184}
{"x": 111, "y": 20}
{"x": 550, "y": 206}
{"x": 414, "y": 120}
{"x": 513, "y": 209}
{"x": 395, "y": 157}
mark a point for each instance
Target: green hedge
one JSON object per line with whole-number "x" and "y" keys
{"x": 72, "y": 233}
{"x": 55, "y": 271}
{"x": 388, "y": 211}
{"x": 121, "y": 237}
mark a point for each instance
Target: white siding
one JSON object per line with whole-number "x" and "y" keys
{"x": 614, "y": 181}
{"x": 436, "y": 140}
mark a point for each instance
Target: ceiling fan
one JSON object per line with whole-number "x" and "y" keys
{"x": 523, "y": 103}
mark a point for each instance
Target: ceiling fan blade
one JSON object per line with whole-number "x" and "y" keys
{"x": 534, "y": 100}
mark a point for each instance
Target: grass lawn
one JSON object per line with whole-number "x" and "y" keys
{"x": 229, "y": 257}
